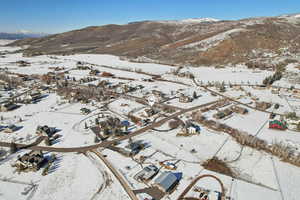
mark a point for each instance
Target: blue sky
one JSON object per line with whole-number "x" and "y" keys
{"x": 52, "y": 16}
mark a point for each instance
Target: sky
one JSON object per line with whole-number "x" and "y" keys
{"x": 56, "y": 16}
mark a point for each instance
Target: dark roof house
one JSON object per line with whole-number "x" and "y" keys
{"x": 167, "y": 181}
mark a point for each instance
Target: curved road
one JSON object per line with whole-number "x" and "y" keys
{"x": 108, "y": 143}
{"x": 117, "y": 175}
{"x": 189, "y": 187}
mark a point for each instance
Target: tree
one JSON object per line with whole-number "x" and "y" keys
{"x": 292, "y": 87}
{"x": 47, "y": 141}
{"x": 195, "y": 96}
{"x": 298, "y": 126}
{"x": 96, "y": 140}
{"x": 97, "y": 121}
{"x": 13, "y": 148}
{"x": 291, "y": 115}
{"x": 222, "y": 88}
{"x": 106, "y": 131}
{"x": 174, "y": 124}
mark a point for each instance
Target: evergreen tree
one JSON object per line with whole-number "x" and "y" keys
{"x": 96, "y": 140}
{"x": 298, "y": 126}
{"x": 13, "y": 148}
{"x": 195, "y": 96}
{"x": 97, "y": 121}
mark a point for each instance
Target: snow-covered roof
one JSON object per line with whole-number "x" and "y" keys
{"x": 167, "y": 179}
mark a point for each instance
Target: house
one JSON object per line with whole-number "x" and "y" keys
{"x": 103, "y": 124}
{"x": 149, "y": 112}
{"x": 185, "y": 99}
{"x": 167, "y": 181}
{"x": 193, "y": 129}
{"x": 168, "y": 165}
{"x": 98, "y": 132}
{"x": 144, "y": 122}
{"x": 158, "y": 93}
{"x": 31, "y": 161}
{"x": 45, "y": 131}
{"x": 278, "y": 124}
{"x": 147, "y": 173}
{"x": 8, "y": 107}
{"x": 135, "y": 147}
{"x": 113, "y": 126}
{"x": 125, "y": 124}
{"x": 33, "y": 96}
{"x": 189, "y": 129}
{"x": 94, "y": 72}
{"x": 11, "y": 129}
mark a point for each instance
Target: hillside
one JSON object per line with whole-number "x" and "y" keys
{"x": 192, "y": 41}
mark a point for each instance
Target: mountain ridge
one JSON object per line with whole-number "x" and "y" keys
{"x": 203, "y": 42}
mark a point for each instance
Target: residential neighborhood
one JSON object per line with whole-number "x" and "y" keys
{"x": 154, "y": 105}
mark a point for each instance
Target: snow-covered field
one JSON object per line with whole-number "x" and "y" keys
{"x": 115, "y": 61}
{"x": 70, "y": 173}
{"x": 85, "y": 176}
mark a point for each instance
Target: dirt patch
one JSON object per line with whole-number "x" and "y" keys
{"x": 217, "y": 165}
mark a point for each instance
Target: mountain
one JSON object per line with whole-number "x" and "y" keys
{"x": 193, "y": 41}
{"x": 20, "y": 35}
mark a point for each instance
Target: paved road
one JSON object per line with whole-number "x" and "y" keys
{"x": 109, "y": 143}
{"x": 189, "y": 187}
{"x": 117, "y": 175}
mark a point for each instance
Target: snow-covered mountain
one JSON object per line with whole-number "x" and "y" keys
{"x": 202, "y": 41}
{"x": 189, "y": 21}
{"x": 200, "y": 20}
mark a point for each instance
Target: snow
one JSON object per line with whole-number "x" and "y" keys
{"x": 228, "y": 74}
{"x": 189, "y": 21}
{"x": 80, "y": 176}
{"x": 199, "y": 20}
{"x": 5, "y": 42}
{"x": 291, "y": 18}
{"x": 115, "y": 61}
{"x": 64, "y": 183}
{"x": 288, "y": 179}
{"x": 297, "y": 16}
{"x": 212, "y": 41}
